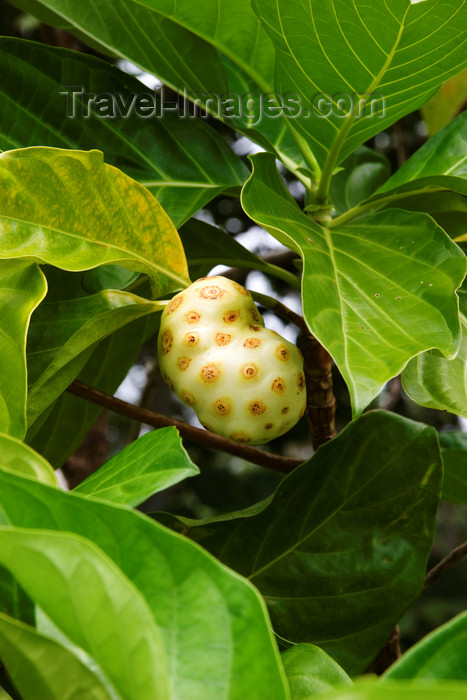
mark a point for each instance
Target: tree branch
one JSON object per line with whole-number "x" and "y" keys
{"x": 388, "y": 654}
{"x": 321, "y": 402}
{"x": 449, "y": 560}
{"x": 156, "y": 420}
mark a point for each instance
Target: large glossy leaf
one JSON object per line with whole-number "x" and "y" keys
{"x": 310, "y": 671}
{"x": 224, "y": 55}
{"x": 441, "y": 654}
{"x": 398, "y": 52}
{"x": 395, "y": 690}
{"x": 23, "y": 286}
{"x": 20, "y": 458}
{"x": 375, "y": 292}
{"x": 230, "y": 26}
{"x": 454, "y": 454}
{"x": 93, "y": 603}
{"x": 433, "y": 381}
{"x": 340, "y": 551}
{"x": 42, "y": 668}
{"x": 57, "y": 434}
{"x": 183, "y": 162}
{"x": 448, "y": 209}
{"x": 63, "y": 335}
{"x": 72, "y": 210}
{"x": 152, "y": 463}
{"x": 214, "y": 624}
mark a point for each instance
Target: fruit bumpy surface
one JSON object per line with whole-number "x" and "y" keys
{"x": 244, "y": 381}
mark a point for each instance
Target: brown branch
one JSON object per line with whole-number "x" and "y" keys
{"x": 143, "y": 415}
{"x": 388, "y": 654}
{"x": 449, "y": 560}
{"x": 321, "y": 402}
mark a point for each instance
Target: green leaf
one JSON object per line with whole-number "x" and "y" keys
{"x": 183, "y": 162}
{"x": 224, "y": 56}
{"x": 440, "y": 164}
{"x": 21, "y": 459}
{"x": 433, "y": 381}
{"x": 366, "y": 286}
{"x": 395, "y": 690}
{"x": 326, "y": 579}
{"x": 454, "y": 454}
{"x": 439, "y": 655}
{"x": 310, "y": 671}
{"x": 152, "y": 463}
{"x": 214, "y": 624}
{"x": 57, "y": 434}
{"x": 207, "y": 246}
{"x": 23, "y": 288}
{"x": 448, "y": 209}
{"x": 13, "y": 600}
{"x": 63, "y": 335}
{"x": 397, "y": 53}
{"x": 88, "y": 597}
{"x": 70, "y": 209}
{"x": 231, "y": 27}
{"x": 362, "y": 173}
{"x": 43, "y": 669}
{"x": 447, "y": 102}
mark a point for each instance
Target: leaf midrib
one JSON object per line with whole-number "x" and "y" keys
{"x": 127, "y": 254}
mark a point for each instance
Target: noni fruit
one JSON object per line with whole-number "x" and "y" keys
{"x": 244, "y": 381}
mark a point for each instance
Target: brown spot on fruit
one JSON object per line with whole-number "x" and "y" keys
{"x": 278, "y": 385}
{"x": 301, "y": 382}
{"x": 174, "y": 304}
{"x": 268, "y": 426}
{"x": 232, "y": 316}
{"x": 240, "y": 437}
{"x": 252, "y": 343}
{"x": 188, "y": 398}
{"x": 223, "y": 338}
{"x": 212, "y": 292}
{"x": 257, "y": 408}
{"x": 222, "y": 407}
{"x": 183, "y": 363}
{"x": 254, "y": 328}
{"x": 166, "y": 342}
{"x": 249, "y": 371}
{"x": 210, "y": 373}
{"x": 240, "y": 289}
{"x": 282, "y": 352}
{"x": 191, "y": 338}
{"x": 192, "y": 317}
{"x": 285, "y": 410}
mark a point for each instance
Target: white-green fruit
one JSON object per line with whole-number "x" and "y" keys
{"x": 244, "y": 381}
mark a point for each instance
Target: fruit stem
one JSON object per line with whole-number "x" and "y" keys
{"x": 280, "y": 309}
